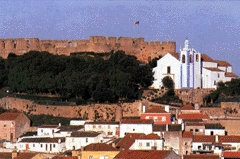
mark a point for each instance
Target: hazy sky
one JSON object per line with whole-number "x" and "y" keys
{"x": 212, "y": 27}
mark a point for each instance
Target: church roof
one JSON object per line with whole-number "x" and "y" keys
{"x": 175, "y": 54}
{"x": 213, "y": 69}
{"x": 222, "y": 63}
{"x": 230, "y": 74}
{"x": 206, "y": 58}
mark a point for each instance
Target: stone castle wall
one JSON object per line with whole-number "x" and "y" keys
{"x": 99, "y": 111}
{"x": 143, "y": 50}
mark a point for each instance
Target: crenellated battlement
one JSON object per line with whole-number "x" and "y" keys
{"x": 138, "y": 47}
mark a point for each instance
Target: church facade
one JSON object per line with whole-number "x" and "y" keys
{"x": 190, "y": 69}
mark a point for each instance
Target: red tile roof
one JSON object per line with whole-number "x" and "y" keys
{"x": 5, "y": 154}
{"x": 231, "y": 154}
{"x": 193, "y": 116}
{"x": 197, "y": 156}
{"x": 128, "y": 140}
{"x": 195, "y": 124}
{"x": 187, "y": 107}
{"x": 151, "y": 136}
{"x": 44, "y": 139}
{"x": 230, "y": 74}
{"x": 64, "y": 157}
{"x": 49, "y": 126}
{"x": 222, "y": 63}
{"x": 187, "y": 134}
{"x": 175, "y": 54}
{"x": 136, "y": 121}
{"x": 229, "y": 139}
{"x": 213, "y": 69}
{"x": 99, "y": 147}
{"x": 156, "y": 110}
{"x": 25, "y": 155}
{"x": 142, "y": 154}
{"x": 9, "y": 116}
{"x": 204, "y": 138}
{"x": 206, "y": 58}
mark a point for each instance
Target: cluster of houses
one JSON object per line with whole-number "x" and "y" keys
{"x": 156, "y": 134}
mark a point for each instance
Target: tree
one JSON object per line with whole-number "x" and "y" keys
{"x": 168, "y": 82}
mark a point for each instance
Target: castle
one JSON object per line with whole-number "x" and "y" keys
{"x": 143, "y": 50}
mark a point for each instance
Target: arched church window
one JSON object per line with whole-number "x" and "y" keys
{"x": 197, "y": 57}
{"x": 190, "y": 59}
{"x": 183, "y": 58}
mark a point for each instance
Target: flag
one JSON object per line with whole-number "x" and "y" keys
{"x": 137, "y": 23}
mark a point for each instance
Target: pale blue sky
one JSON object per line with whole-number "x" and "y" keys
{"x": 211, "y": 26}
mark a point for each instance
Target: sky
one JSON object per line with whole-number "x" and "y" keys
{"x": 212, "y": 27}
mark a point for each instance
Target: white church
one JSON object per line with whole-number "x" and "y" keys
{"x": 190, "y": 69}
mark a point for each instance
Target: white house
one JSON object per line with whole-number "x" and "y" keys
{"x": 82, "y": 138}
{"x": 135, "y": 126}
{"x": 191, "y": 69}
{"x": 148, "y": 142}
{"x": 42, "y": 144}
{"x": 109, "y": 127}
{"x": 47, "y": 129}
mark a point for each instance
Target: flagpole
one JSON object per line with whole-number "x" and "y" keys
{"x": 138, "y": 30}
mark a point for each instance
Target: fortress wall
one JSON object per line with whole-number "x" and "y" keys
{"x": 101, "y": 111}
{"x": 143, "y": 50}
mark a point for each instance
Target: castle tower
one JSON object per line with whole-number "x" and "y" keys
{"x": 190, "y": 63}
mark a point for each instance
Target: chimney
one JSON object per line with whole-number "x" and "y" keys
{"x": 216, "y": 138}
{"x": 167, "y": 108}
{"x": 166, "y": 127}
{"x": 182, "y": 126}
{"x": 14, "y": 154}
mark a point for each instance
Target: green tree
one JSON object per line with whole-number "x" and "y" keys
{"x": 168, "y": 82}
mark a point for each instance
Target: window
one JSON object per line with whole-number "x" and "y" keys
{"x": 70, "y": 44}
{"x": 140, "y": 144}
{"x": 162, "y": 48}
{"x": 185, "y": 143}
{"x": 155, "y": 118}
{"x": 41, "y": 130}
{"x": 168, "y": 69}
{"x": 215, "y": 82}
{"x": 133, "y": 129}
{"x": 15, "y": 43}
{"x": 109, "y": 126}
{"x": 103, "y": 157}
{"x": 199, "y": 147}
{"x": 86, "y": 139}
{"x": 196, "y": 130}
{"x": 191, "y": 129}
{"x": 90, "y": 157}
{"x": 147, "y": 117}
{"x": 218, "y": 75}
{"x": 3, "y": 43}
{"x": 54, "y": 145}
{"x": 147, "y": 144}
{"x": 163, "y": 118}
{"x": 94, "y": 126}
{"x": 41, "y": 145}
{"x": 5, "y": 125}
{"x": 211, "y": 132}
{"x": 197, "y": 57}
{"x": 33, "y": 145}
{"x": 186, "y": 152}
{"x": 183, "y": 58}
{"x": 12, "y": 124}
{"x": 190, "y": 59}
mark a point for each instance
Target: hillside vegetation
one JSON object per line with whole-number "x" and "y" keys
{"x": 82, "y": 77}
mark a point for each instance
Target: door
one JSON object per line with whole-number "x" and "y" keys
{"x": 46, "y": 147}
{"x": 50, "y": 147}
{"x": 27, "y": 146}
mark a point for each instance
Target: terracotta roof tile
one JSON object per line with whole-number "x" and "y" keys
{"x": 142, "y": 154}
{"x": 43, "y": 139}
{"x": 49, "y": 126}
{"x": 214, "y": 126}
{"x": 5, "y": 154}
{"x": 213, "y": 69}
{"x": 206, "y": 58}
{"x": 171, "y": 127}
{"x": 99, "y": 147}
{"x": 151, "y": 136}
{"x": 156, "y": 110}
{"x": 222, "y": 63}
{"x": 136, "y": 121}
{"x": 175, "y": 54}
{"x": 187, "y": 134}
{"x": 128, "y": 140}
{"x": 25, "y": 155}
{"x": 84, "y": 134}
{"x": 193, "y": 116}
{"x": 204, "y": 138}
{"x": 102, "y": 122}
{"x": 230, "y": 74}
{"x": 198, "y": 156}
{"x": 229, "y": 139}
{"x": 231, "y": 154}
{"x": 64, "y": 157}
{"x": 187, "y": 107}
{"x": 70, "y": 128}
{"x": 9, "y": 116}
{"x": 195, "y": 124}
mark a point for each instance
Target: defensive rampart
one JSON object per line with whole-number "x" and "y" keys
{"x": 143, "y": 50}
